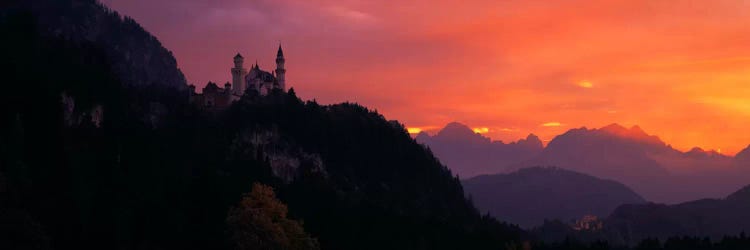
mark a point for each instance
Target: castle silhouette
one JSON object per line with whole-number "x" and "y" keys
{"x": 256, "y": 80}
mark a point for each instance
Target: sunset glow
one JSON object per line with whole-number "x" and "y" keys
{"x": 413, "y": 130}
{"x": 481, "y": 130}
{"x": 586, "y": 84}
{"x": 678, "y": 69}
{"x": 364, "y": 124}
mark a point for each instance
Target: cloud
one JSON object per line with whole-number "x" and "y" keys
{"x": 552, "y": 124}
{"x": 351, "y": 16}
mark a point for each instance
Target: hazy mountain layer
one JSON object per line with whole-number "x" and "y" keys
{"x": 469, "y": 154}
{"x": 529, "y": 196}
{"x": 631, "y": 156}
{"x": 643, "y": 162}
{"x": 707, "y": 217}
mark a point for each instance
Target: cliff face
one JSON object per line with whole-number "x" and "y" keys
{"x": 134, "y": 55}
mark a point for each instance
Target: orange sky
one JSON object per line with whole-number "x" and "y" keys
{"x": 679, "y": 69}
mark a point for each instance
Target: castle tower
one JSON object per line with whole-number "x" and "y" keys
{"x": 238, "y": 75}
{"x": 280, "y": 71}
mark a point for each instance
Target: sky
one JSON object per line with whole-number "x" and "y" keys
{"x": 679, "y": 69}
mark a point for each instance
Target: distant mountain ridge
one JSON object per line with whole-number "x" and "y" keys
{"x": 612, "y": 152}
{"x": 470, "y": 154}
{"x": 706, "y": 217}
{"x": 529, "y": 196}
{"x": 644, "y": 162}
{"x": 628, "y": 155}
{"x": 635, "y": 133}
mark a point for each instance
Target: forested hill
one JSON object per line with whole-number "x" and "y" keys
{"x": 542, "y": 193}
{"x": 135, "y": 56}
{"x": 87, "y": 162}
{"x": 715, "y": 218}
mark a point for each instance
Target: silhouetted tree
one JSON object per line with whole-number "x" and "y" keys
{"x": 259, "y": 222}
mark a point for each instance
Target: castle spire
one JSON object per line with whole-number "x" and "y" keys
{"x": 280, "y": 70}
{"x": 238, "y": 75}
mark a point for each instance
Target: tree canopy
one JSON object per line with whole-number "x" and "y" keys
{"x": 260, "y": 221}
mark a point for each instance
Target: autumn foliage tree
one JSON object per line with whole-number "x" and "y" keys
{"x": 259, "y": 222}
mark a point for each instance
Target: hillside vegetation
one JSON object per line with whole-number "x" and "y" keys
{"x": 89, "y": 161}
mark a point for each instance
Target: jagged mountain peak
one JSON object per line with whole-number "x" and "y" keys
{"x": 635, "y": 133}
{"x": 614, "y": 128}
{"x": 533, "y": 137}
{"x": 469, "y": 154}
{"x": 455, "y": 128}
{"x": 456, "y": 125}
{"x": 459, "y": 132}
{"x": 613, "y": 131}
{"x": 697, "y": 152}
{"x": 531, "y": 141}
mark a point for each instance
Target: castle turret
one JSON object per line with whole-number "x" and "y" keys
{"x": 238, "y": 61}
{"x": 280, "y": 70}
{"x": 238, "y": 75}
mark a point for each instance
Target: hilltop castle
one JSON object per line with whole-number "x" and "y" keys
{"x": 257, "y": 80}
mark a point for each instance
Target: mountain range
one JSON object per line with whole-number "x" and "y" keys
{"x": 83, "y": 164}
{"x": 644, "y": 225}
{"x": 469, "y": 154}
{"x": 628, "y": 155}
{"x": 713, "y": 218}
{"x": 529, "y": 196}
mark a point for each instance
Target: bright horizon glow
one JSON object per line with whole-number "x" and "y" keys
{"x": 679, "y": 69}
{"x": 586, "y": 84}
{"x": 481, "y": 130}
{"x": 414, "y": 130}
